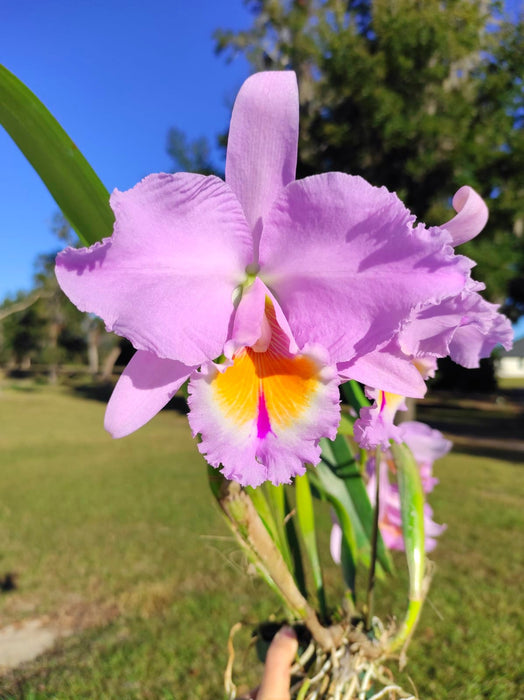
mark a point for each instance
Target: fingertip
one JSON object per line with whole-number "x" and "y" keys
{"x": 286, "y": 632}
{"x": 282, "y": 650}
{"x": 277, "y": 674}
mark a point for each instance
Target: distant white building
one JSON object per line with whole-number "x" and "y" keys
{"x": 511, "y": 362}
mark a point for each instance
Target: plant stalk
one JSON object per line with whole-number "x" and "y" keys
{"x": 252, "y": 533}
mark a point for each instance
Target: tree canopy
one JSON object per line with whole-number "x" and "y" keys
{"x": 422, "y": 96}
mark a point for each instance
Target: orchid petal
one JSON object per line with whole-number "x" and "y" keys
{"x": 471, "y": 342}
{"x": 465, "y": 326}
{"x": 165, "y": 279}
{"x": 431, "y": 528}
{"x": 335, "y": 541}
{"x": 144, "y": 388}
{"x": 250, "y": 325}
{"x": 390, "y": 519}
{"x": 346, "y": 265}
{"x": 426, "y": 366}
{"x": 262, "y": 142}
{"x": 426, "y": 443}
{"x": 388, "y": 369}
{"x": 472, "y": 216}
{"x": 263, "y": 416}
{"x": 375, "y": 426}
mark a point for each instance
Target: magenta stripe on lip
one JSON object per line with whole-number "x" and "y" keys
{"x": 263, "y": 422}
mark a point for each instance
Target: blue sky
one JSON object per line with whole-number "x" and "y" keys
{"x": 117, "y": 74}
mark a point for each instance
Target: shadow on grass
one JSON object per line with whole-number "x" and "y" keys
{"x": 473, "y": 424}
{"x": 483, "y": 428}
{"x": 101, "y": 391}
{"x": 476, "y": 449}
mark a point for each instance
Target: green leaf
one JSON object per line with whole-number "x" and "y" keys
{"x": 346, "y": 425}
{"x": 333, "y": 489}
{"x": 66, "y": 173}
{"x": 264, "y": 511}
{"x": 338, "y": 456}
{"x": 412, "y": 511}
{"x": 294, "y": 546}
{"x": 336, "y": 493}
{"x": 284, "y": 536}
{"x": 306, "y": 522}
{"x": 276, "y": 498}
{"x": 353, "y": 395}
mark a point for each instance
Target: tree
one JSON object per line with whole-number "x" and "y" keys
{"x": 422, "y": 96}
{"x": 23, "y": 332}
{"x": 189, "y": 156}
{"x": 44, "y": 326}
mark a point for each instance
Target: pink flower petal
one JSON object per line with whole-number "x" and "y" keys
{"x": 426, "y": 443}
{"x": 145, "y": 387}
{"x": 388, "y": 369}
{"x": 472, "y": 216}
{"x": 477, "y": 339}
{"x": 346, "y": 265}
{"x": 249, "y": 323}
{"x": 263, "y": 416}
{"x": 335, "y": 540}
{"x": 375, "y": 426}
{"x": 465, "y": 326}
{"x": 262, "y": 143}
{"x": 165, "y": 279}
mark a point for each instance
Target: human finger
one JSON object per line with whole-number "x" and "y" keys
{"x": 277, "y": 671}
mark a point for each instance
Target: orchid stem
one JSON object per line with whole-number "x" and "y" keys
{"x": 253, "y": 535}
{"x": 374, "y": 541}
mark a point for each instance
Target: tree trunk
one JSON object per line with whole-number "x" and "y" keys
{"x": 109, "y": 363}
{"x": 93, "y": 336}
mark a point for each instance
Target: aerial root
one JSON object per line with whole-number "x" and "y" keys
{"x": 349, "y": 672}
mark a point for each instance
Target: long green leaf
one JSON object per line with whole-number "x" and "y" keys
{"x": 265, "y": 513}
{"x": 66, "y": 173}
{"x": 306, "y": 521}
{"x": 277, "y": 499}
{"x": 334, "y": 491}
{"x": 294, "y": 546}
{"x": 346, "y": 425}
{"x": 285, "y": 537}
{"x": 412, "y": 511}
{"x": 353, "y": 394}
{"x": 340, "y": 460}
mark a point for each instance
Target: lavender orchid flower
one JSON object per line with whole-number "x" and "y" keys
{"x": 427, "y": 445}
{"x": 295, "y": 285}
{"x": 464, "y": 326}
{"x": 375, "y": 425}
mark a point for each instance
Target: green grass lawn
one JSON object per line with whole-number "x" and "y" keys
{"x": 122, "y": 539}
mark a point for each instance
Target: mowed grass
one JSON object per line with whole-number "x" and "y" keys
{"x": 122, "y": 539}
